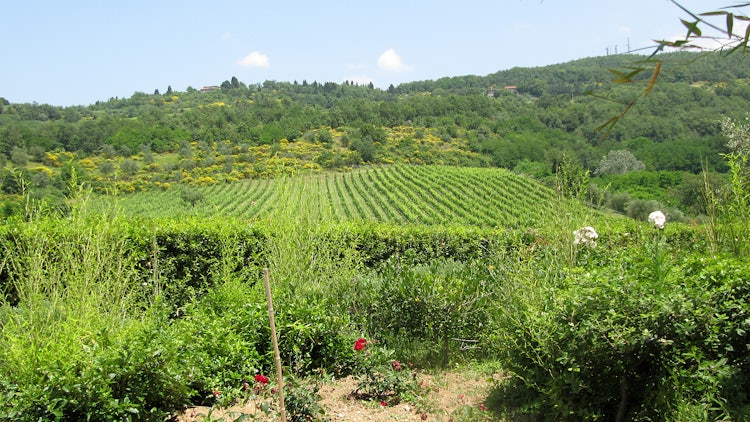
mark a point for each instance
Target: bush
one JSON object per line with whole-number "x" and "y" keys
{"x": 643, "y": 338}
{"x": 132, "y": 376}
{"x": 222, "y": 340}
{"x": 435, "y": 311}
{"x": 77, "y": 342}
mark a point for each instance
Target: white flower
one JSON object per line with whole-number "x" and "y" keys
{"x": 586, "y": 236}
{"x": 657, "y": 218}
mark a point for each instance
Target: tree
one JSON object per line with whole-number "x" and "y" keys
{"x": 619, "y": 161}
{"x": 108, "y": 151}
{"x": 19, "y": 157}
{"x": 185, "y": 150}
{"x": 191, "y": 196}
{"x": 129, "y": 167}
{"x": 737, "y": 134}
{"x": 107, "y": 167}
{"x": 365, "y": 147}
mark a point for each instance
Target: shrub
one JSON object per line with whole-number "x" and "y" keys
{"x": 435, "y": 311}
{"x": 221, "y": 340}
{"x": 76, "y": 341}
{"x": 628, "y": 342}
{"x": 381, "y": 377}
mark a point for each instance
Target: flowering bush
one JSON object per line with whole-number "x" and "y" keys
{"x": 586, "y": 236}
{"x": 657, "y": 218}
{"x": 360, "y": 344}
{"x": 381, "y": 377}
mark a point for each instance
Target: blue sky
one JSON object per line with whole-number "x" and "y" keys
{"x": 77, "y": 52}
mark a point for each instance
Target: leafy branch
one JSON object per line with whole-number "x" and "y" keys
{"x": 725, "y": 37}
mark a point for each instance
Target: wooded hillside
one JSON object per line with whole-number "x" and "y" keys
{"x": 524, "y": 119}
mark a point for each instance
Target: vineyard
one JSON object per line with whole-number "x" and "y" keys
{"x": 429, "y": 195}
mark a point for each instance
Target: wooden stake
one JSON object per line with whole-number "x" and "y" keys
{"x": 276, "y": 356}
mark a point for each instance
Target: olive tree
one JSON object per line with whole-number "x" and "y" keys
{"x": 619, "y": 161}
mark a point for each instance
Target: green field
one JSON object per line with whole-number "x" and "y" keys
{"x": 429, "y": 195}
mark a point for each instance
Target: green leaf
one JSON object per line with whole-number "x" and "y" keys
{"x": 654, "y": 76}
{"x": 692, "y": 28}
{"x": 623, "y": 77}
{"x": 730, "y": 23}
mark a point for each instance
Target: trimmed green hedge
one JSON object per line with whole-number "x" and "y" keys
{"x": 190, "y": 255}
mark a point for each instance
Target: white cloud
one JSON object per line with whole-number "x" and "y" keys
{"x": 391, "y": 61}
{"x": 255, "y": 59}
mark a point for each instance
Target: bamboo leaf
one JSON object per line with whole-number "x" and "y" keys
{"x": 742, "y": 44}
{"x": 608, "y": 123}
{"x": 654, "y": 76}
{"x": 623, "y": 77}
{"x": 692, "y": 28}
{"x": 730, "y": 24}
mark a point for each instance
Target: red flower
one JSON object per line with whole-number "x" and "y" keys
{"x": 396, "y": 365}
{"x": 483, "y": 407}
{"x": 360, "y": 344}
{"x": 382, "y": 403}
{"x": 261, "y": 379}
{"x": 217, "y": 393}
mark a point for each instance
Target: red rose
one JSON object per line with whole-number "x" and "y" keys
{"x": 360, "y": 344}
{"x": 382, "y": 403}
{"x": 396, "y": 365}
{"x": 261, "y": 379}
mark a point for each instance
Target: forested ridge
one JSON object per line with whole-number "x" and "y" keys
{"x": 525, "y": 119}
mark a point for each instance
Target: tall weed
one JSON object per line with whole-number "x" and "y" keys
{"x": 76, "y": 339}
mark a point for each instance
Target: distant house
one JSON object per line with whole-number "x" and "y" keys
{"x": 209, "y": 88}
{"x": 492, "y": 91}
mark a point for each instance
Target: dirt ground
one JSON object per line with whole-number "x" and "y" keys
{"x": 455, "y": 395}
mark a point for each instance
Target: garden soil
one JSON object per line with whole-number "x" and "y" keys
{"x": 444, "y": 396}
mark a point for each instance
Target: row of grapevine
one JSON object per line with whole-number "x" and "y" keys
{"x": 428, "y": 195}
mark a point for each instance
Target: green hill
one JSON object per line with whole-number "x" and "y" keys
{"x": 269, "y": 129}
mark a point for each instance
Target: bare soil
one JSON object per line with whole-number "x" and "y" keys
{"x": 455, "y": 395}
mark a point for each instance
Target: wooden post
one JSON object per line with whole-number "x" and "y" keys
{"x": 276, "y": 356}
